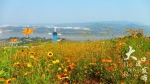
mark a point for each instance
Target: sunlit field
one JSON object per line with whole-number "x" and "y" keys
{"x": 124, "y": 60}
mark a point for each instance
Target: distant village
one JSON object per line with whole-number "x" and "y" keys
{"x": 37, "y": 29}
{"x": 25, "y": 40}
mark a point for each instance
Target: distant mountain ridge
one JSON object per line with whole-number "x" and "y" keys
{"x": 118, "y": 26}
{"x": 103, "y": 22}
{"x": 95, "y": 27}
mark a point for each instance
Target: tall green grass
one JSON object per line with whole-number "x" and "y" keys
{"x": 90, "y": 62}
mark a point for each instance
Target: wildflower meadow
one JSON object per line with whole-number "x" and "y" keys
{"x": 123, "y": 60}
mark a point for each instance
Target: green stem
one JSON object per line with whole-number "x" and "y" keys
{"x": 28, "y": 38}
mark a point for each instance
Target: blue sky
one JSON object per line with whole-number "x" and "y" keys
{"x": 73, "y": 11}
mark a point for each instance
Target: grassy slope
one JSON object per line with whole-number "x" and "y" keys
{"x": 75, "y": 62}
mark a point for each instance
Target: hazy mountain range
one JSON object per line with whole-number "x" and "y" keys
{"x": 116, "y": 25}
{"x": 93, "y": 26}
{"x": 102, "y": 24}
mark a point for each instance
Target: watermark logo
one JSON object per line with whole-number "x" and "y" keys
{"x": 130, "y": 71}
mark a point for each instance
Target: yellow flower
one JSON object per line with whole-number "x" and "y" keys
{"x": 54, "y": 62}
{"x": 57, "y": 61}
{"x": 50, "y": 54}
{"x": 32, "y": 57}
{"x": 59, "y": 69}
{"x": 8, "y": 81}
{"x": 49, "y": 65}
{"x": 16, "y": 63}
{"x": 43, "y": 75}
{"x": 65, "y": 70}
{"x": 103, "y": 42}
{"x": 29, "y": 65}
{"x": 27, "y": 73}
{"x": 62, "y": 76}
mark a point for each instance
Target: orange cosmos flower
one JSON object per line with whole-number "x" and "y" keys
{"x": 70, "y": 67}
{"x": 131, "y": 64}
{"x": 148, "y": 72}
{"x": 2, "y": 79}
{"x": 123, "y": 76}
{"x": 110, "y": 69}
{"x": 27, "y": 31}
{"x": 115, "y": 65}
{"x": 66, "y": 83}
{"x": 13, "y": 58}
{"x": 68, "y": 60}
{"x": 62, "y": 76}
{"x": 122, "y": 82}
{"x": 106, "y": 60}
{"x": 13, "y": 40}
{"x": 85, "y": 67}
